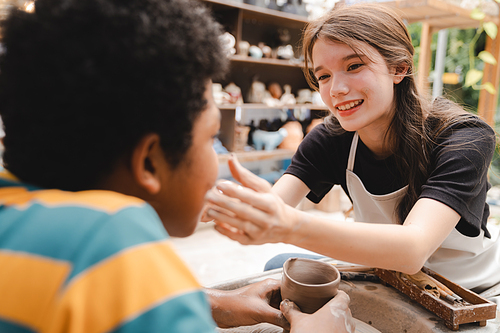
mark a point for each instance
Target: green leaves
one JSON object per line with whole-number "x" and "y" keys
{"x": 489, "y": 88}
{"x": 473, "y": 76}
{"x": 477, "y": 14}
{"x": 491, "y": 29}
{"x": 487, "y": 57}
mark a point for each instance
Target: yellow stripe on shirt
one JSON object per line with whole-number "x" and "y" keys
{"x": 107, "y": 201}
{"x": 7, "y": 175}
{"x": 28, "y": 284}
{"x": 120, "y": 288}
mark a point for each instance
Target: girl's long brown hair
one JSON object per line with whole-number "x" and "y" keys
{"x": 416, "y": 121}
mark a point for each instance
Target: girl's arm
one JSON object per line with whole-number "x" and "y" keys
{"x": 290, "y": 189}
{"x": 260, "y": 216}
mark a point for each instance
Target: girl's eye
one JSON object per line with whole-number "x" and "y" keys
{"x": 354, "y": 67}
{"x": 322, "y": 77}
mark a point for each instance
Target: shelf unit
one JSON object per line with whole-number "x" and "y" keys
{"x": 277, "y": 154}
{"x": 257, "y": 24}
{"x": 264, "y": 106}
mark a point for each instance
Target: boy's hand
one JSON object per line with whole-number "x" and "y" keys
{"x": 334, "y": 317}
{"x": 249, "y": 305}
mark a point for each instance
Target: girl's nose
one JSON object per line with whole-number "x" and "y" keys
{"x": 338, "y": 87}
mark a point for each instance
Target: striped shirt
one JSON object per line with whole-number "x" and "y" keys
{"x": 91, "y": 261}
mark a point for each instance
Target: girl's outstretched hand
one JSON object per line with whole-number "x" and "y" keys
{"x": 249, "y": 213}
{"x": 334, "y": 317}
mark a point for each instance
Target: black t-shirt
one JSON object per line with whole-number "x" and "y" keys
{"x": 460, "y": 158}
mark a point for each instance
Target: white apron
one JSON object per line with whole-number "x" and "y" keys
{"x": 472, "y": 262}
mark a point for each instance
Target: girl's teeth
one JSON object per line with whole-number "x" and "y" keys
{"x": 349, "y": 106}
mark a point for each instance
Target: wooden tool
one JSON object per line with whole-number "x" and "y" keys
{"x": 460, "y": 307}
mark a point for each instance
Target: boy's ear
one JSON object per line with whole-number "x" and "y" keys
{"x": 148, "y": 163}
{"x": 400, "y": 72}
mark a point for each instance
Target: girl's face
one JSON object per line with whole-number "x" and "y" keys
{"x": 357, "y": 90}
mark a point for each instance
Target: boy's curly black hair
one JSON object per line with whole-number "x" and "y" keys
{"x": 81, "y": 81}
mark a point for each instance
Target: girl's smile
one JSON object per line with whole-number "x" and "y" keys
{"x": 348, "y": 105}
{"x": 348, "y": 108}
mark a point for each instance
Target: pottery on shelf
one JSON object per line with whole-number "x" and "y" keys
{"x": 234, "y": 92}
{"x": 243, "y": 47}
{"x": 228, "y": 42}
{"x": 285, "y": 52}
{"x": 266, "y": 50}
{"x": 257, "y": 92}
{"x": 255, "y": 52}
{"x": 304, "y": 96}
{"x": 268, "y": 140}
{"x": 294, "y": 137}
{"x": 287, "y": 98}
{"x": 219, "y": 95}
{"x": 240, "y": 137}
{"x": 259, "y": 3}
{"x": 275, "y": 90}
{"x": 309, "y": 283}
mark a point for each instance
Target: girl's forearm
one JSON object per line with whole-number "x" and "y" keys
{"x": 388, "y": 246}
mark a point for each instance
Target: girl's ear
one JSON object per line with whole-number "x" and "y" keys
{"x": 148, "y": 163}
{"x": 400, "y": 72}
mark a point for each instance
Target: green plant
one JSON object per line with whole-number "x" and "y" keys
{"x": 475, "y": 75}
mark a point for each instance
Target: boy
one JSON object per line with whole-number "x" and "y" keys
{"x": 109, "y": 123}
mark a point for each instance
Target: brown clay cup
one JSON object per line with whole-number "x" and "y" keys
{"x": 309, "y": 283}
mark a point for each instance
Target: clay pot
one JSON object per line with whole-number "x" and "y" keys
{"x": 309, "y": 283}
{"x": 294, "y": 137}
{"x": 244, "y": 47}
{"x": 240, "y": 137}
{"x": 275, "y": 90}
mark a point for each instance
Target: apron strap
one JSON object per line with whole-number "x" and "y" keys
{"x": 352, "y": 152}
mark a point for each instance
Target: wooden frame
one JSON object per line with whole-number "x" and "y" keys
{"x": 436, "y": 15}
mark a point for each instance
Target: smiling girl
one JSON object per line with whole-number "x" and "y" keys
{"x": 415, "y": 171}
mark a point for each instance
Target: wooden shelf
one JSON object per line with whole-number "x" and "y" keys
{"x": 260, "y": 13}
{"x": 251, "y": 156}
{"x": 258, "y": 106}
{"x": 254, "y": 25}
{"x": 267, "y": 61}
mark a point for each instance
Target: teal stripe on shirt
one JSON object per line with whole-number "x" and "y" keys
{"x": 187, "y": 313}
{"x": 4, "y": 182}
{"x": 56, "y": 228}
{"x": 9, "y": 327}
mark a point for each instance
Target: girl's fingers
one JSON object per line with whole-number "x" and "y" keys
{"x": 228, "y": 227}
{"x": 252, "y": 230}
{"x": 257, "y": 200}
{"x": 217, "y": 202}
{"x": 236, "y": 236}
{"x": 246, "y": 177}
{"x": 239, "y": 211}
{"x": 220, "y": 217}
